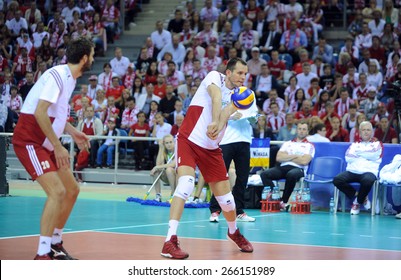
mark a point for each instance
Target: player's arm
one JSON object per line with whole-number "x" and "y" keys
{"x": 302, "y": 159}
{"x": 283, "y": 156}
{"x": 41, "y": 116}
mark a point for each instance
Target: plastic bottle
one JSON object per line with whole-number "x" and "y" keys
{"x": 265, "y": 192}
{"x": 306, "y": 195}
{"x": 332, "y": 205}
{"x": 294, "y": 194}
{"x": 276, "y": 194}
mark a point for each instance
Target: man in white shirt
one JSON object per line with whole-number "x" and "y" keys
{"x": 176, "y": 48}
{"x": 318, "y": 134}
{"x": 160, "y": 37}
{"x": 67, "y": 12}
{"x": 363, "y": 160}
{"x": 16, "y": 24}
{"x": 305, "y": 77}
{"x": 119, "y": 63}
{"x": 294, "y": 156}
{"x": 39, "y": 34}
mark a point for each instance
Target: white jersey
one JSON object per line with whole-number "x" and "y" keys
{"x": 55, "y": 86}
{"x": 298, "y": 148}
{"x": 199, "y": 114}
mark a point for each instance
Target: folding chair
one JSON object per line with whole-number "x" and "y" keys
{"x": 323, "y": 170}
{"x": 124, "y": 142}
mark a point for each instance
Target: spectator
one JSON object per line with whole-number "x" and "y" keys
{"x": 304, "y": 78}
{"x": 26, "y": 87}
{"x": 187, "y": 34}
{"x": 184, "y": 89}
{"x": 206, "y": 34}
{"x": 176, "y": 127}
{"x": 99, "y": 104}
{"x": 349, "y": 119}
{"x": 297, "y": 101}
{"x": 209, "y": 12}
{"x": 294, "y": 157}
{"x": 318, "y": 134}
{"x": 139, "y": 129}
{"x": 16, "y": 24}
{"x": 151, "y": 74}
{"x": 143, "y": 62}
{"x": 363, "y": 159}
{"x": 292, "y": 40}
{"x": 129, "y": 116}
{"x": 97, "y": 31}
{"x": 160, "y": 129}
{"x": 385, "y": 133}
{"x": 91, "y": 125}
{"x": 144, "y": 100}
{"x": 22, "y": 64}
{"x": 341, "y": 105}
{"x": 175, "y": 25}
{"x": 166, "y": 164}
{"x": 329, "y": 114}
{"x": 167, "y": 103}
{"x": 110, "y": 18}
{"x": 261, "y": 129}
{"x": 336, "y": 133}
{"x": 33, "y": 14}
{"x": 306, "y": 111}
{"x": 176, "y": 48}
{"x": 289, "y": 131}
{"x": 115, "y": 89}
{"x": 68, "y": 12}
{"x": 160, "y": 38}
{"x": 326, "y": 80}
{"x": 376, "y": 25}
{"x": 187, "y": 100}
{"x": 381, "y": 112}
{"x": 39, "y": 34}
{"x": 374, "y": 76}
{"x": 119, "y": 63}
{"x": 276, "y": 119}
{"x": 198, "y": 70}
{"x": 324, "y": 50}
{"x": 255, "y": 63}
{"x": 364, "y": 40}
{"x": 173, "y": 76}
{"x": 354, "y": 135}
{"x": 273, "y": 98}
{"x": 264, "y": 83}
{"x": 352, "y": 50}
{"x": 290, "y": 90}
{"x": 355, "y": 27}
{"x": 320, "y": 105}
{"x": 108, "y": 145}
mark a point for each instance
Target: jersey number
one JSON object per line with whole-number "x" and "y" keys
{"x": 45, "y": 165}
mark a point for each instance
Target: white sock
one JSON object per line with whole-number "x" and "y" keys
{"x": 57, "y": 236}
{"x": 232, "y": 226}
{"x": 172, "y": 229}
{"x": 44, "y": 245}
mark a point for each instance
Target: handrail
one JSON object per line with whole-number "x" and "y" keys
{"x": 116, "y": 155}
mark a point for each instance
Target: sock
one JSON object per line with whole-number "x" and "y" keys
{"x": 44, "y": 245}
{"x": 57, "y": 236}
{"x": 172, "y": 229}
{"x": 232, "y": 226}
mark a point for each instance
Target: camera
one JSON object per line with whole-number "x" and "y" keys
{"x": 393, "y": 90}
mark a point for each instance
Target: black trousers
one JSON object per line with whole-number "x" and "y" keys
{"x": 238, "y": 152}
{"x": 366, "y": 181}
{"x": 290, "y": 173}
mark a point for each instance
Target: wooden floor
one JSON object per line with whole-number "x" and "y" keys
{"x": 103, "y": 226}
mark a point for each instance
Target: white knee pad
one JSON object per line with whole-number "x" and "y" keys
{"x": 186, "y": 185}
{"x": 226, "y": 202}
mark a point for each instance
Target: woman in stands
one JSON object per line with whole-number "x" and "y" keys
{"x": 165, "y": 164}
{"x": 151, "y": 74}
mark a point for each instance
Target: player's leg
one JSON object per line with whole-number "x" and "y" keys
{"x": 71, "y": 194}
{"x": 55, "y": 191}
{"x": 185, "y": 186}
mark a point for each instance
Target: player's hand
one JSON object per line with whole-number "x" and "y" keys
{"x": 212, "y": 130}
{"x": 82, "y": 140}
{"x": 62, "y": 156}
{"x": 237, "y": 115}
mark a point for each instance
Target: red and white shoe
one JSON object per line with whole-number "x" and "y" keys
{"x": 240, "y": 241}
{"x": 45, "y": 257}
{"x": 171, "y": 249}
{"x": 355, "y": 208}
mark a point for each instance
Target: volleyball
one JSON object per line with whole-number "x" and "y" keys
{"x": 243, "y": 98}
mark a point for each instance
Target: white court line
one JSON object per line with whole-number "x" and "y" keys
{"x": 337, "y": 234}
{"x": 309, "y": 232}
{"x": 395, "y": 237}
{"x": 280, "y": 230}
{"x": 361, "y": 235}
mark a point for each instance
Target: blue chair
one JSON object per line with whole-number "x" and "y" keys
{"x": 323, "y": 171}
{"x": 382, "y": 193}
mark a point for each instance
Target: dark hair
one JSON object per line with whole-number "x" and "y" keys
{"x": 77, "y": 49}
{"x": 318, "y": 127}
{"x": 233, "y": 62}
{"x": 131, "y": 98}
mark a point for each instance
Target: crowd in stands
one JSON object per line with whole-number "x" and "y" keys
{"x": 294, "y": 71}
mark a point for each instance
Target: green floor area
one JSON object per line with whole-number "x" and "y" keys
{"x": 19, "y": 216}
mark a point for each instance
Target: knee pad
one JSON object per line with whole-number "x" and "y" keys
{"x": 185, "y": 186}
{"x": 226, "y": 202}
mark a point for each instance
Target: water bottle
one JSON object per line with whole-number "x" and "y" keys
{"x": 276, "y": 194}
{"x": 332, "y": 205}
{"x": 265, "y": 192}
{"x": 294, "y": 194}
{"x": 306, "y": 195}
{"x": 298, "y": 195}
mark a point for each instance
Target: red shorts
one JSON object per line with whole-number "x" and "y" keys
{"x": 36, "y": 159}
{"x": 210, "y": 162}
